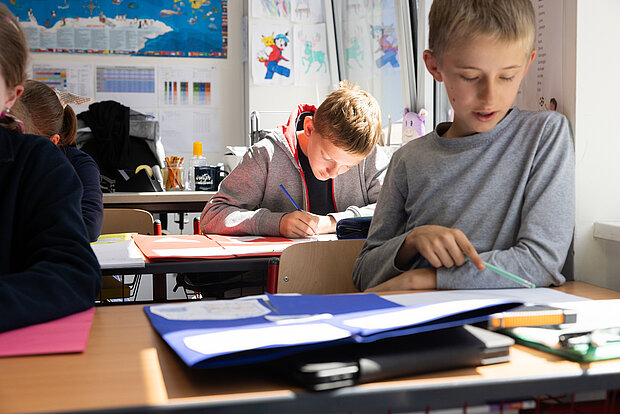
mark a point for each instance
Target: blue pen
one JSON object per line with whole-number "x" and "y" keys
{"x": 289, "y": 197}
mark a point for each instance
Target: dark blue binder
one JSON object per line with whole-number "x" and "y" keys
{"x": 290, "y": 324}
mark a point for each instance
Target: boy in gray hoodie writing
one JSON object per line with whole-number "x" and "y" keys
{"x": 494, "y": 185}
{"x": 326, "y": 158}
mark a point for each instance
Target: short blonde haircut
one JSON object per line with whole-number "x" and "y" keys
{"x": 350, "y": 118}
{"x": 453, "y": 21}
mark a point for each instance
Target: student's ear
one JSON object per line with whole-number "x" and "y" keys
{"x": 13, "y": 95}
{"x": 55, "y": 139}
{"x": 431, "y": 64}
{"x": 527, "y": 67}
{"x": 308, "y": 126}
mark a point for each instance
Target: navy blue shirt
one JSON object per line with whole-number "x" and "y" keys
{"x": 47, "y": 267}
{"x": 92, "y": 198}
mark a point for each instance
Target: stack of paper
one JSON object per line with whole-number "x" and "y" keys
{"x": 117, "y": 250}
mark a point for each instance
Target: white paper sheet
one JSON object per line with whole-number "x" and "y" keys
{"x": 532, "y": 296}
{"x": 211, "y": 310}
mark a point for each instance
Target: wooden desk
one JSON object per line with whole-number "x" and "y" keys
{"x": 127, "y": 366}
{"x": 160, "y": 202}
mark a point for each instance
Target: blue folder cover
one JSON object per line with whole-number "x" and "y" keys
{"x": 225, "y": 333}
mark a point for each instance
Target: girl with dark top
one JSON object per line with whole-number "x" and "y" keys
{"x": 44, "y": 112}
{"x": 47, "y": 267}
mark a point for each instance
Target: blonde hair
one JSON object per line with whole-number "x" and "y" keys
{"x": 350, "y": 118}
{"x": 451, "y": 21}
{"x": 43, "y": 114}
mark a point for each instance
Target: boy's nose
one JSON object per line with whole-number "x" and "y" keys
{"x": 332, "y": 171}
{"x": 487, "y": 92}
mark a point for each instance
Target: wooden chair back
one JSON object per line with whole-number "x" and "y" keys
{"x": 127, "y": 220}
{"x": 322, "y": 267}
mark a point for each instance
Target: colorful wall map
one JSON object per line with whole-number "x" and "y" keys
{"x": 194, "y": 28}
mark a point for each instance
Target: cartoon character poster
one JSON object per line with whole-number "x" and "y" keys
{"x": 271, "y": 55}
{"x": 311, "y": 59}
{"x": 385, "y": 46}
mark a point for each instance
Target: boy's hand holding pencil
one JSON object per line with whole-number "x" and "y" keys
{"x": 299, "y": 223}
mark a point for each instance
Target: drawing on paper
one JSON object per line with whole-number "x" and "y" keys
{"x": 388, "y": 45}
{"x": 271, "y": 9}
{"x": 312, "y": 56}
{"x": 273, "y": 54}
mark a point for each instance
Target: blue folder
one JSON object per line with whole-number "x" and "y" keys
{"x": 281, "y": 325}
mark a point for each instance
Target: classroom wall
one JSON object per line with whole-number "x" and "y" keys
{"x": 230, "y": 77}
{"x": 597, "y": 138}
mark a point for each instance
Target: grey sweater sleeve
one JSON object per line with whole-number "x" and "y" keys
{"x": 511, "y": 191}
{"x": 233, "y": 209}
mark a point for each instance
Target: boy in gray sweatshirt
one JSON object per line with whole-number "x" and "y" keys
{"x": 327, "y": 160}
{"x": 494, "y": 185}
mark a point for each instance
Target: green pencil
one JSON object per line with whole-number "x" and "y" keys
{"x": 509, "y": 275}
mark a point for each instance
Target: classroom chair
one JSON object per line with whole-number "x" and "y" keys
{"x": 124, "y": 220}
{"x": 317, "y": 268}
{"x": 127, "y": 220}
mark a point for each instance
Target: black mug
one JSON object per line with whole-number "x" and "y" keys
{"x": 208, "y": 178}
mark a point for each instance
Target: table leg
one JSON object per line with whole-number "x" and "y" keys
{"x": 272, "y": 275}
{"x": 160, "y": 289}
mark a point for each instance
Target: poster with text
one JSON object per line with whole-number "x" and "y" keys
{"x": 191, "y": 28}
{"x": 187, "y": 86}
{"x": 76, "y": 78}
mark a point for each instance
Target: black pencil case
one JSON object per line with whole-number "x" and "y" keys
{"x": 353, "y": 228}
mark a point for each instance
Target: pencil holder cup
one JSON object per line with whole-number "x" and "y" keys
{"x": 208, "y": 178}
{"x": 173, "y": 175}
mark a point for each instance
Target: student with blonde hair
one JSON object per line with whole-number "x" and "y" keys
{"x": 47, "y": 267}
{"x": 327, "y": 160}
{"x": 496, "y": 185}
{"x": 44, "y": 112}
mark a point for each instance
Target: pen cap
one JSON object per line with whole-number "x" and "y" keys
{"x": 197, "y": 148}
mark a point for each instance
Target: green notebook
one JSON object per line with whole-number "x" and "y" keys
{"x": 596, "y": 345}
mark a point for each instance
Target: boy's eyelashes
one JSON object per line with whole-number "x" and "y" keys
{"x": 475, "y": 78}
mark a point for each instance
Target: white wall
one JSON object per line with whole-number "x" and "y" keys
{"x": 597, "y": 138}
{"x": 230, "y": 77}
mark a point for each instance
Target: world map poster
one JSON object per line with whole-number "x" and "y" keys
{"x": 188, "y": 28}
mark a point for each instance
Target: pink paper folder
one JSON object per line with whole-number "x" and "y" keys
{"x": 60, "y": 336}
{"x": 175, "y": 247}
{"x": 253, "y": 245}
{"x": 211, "y": 246}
